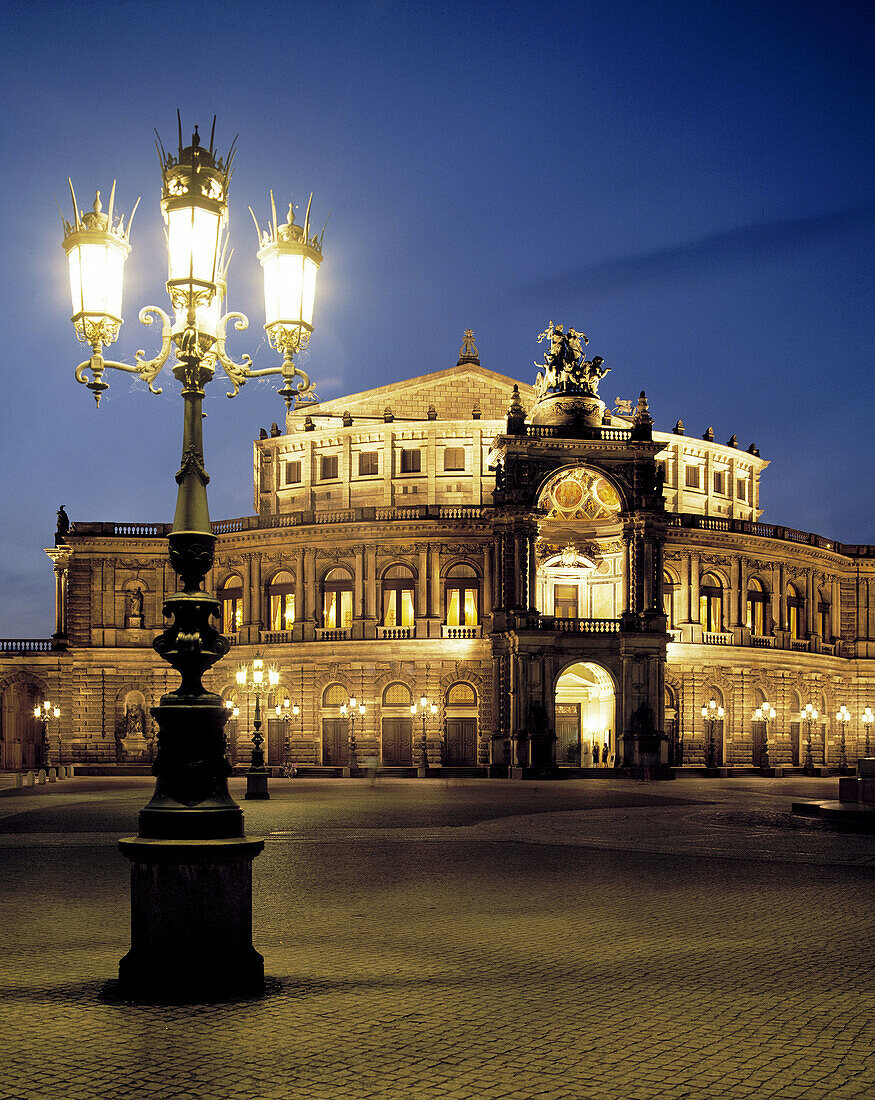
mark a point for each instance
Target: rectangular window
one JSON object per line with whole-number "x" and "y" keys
{"x": 327, "y": 467}
{"x": 565, "y": 601}
{"x": 337, "y": 610}
{"x": 454, "y": 458}
{"x": 293, "y": 473}
{"x": 692, "y": 477}
{"x": 368, "y": 463}
{"x": 741, "y": 487}
{"x": 719, "y": 482}
{"x": 410, "y": 462}
{"x": 461, "y": 607}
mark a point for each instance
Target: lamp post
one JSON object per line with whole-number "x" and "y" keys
{"x": 351, "y": 712}
{"x": 765, "y": 713}
{"x": 43, "y": 713}
{"x": 843, "y": 716}
{"x": 712, "y": 713}
{"x": 810, "y": 715}
{"x": 191, "y": 865}
{"x": 425, "y": 708}
{"x": 257, "y": 681}
{"x": 867, "y": 718}
{"x": 287, "y": 712}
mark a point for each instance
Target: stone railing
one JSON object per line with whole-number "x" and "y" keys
{"x": 553, "y": 431}
{"x": 765, "y": 530}
{"x": 461, "y": 631}
{"x": 25, "y": 645}
{"x": 332, "y": 634}
{"x": 275, "y": 637}
{"x": 761, "y": 642}
{"x": 716, "y": 637}
{"x": 394, "y": 633}
{"x": 579, "y": 626}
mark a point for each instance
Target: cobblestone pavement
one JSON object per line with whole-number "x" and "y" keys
{"x": 461, "y": 940}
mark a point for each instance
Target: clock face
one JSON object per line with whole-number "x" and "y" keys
{"x": 581, "y": 494}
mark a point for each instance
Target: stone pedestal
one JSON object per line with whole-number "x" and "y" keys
{"x": 191, "y": 918}
{"x": 256, "y": 784}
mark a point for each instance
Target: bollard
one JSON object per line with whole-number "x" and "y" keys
{"x": 53, "y": 775}
{"x": 40, "y": 777}
{"x": 70, "y": 771}
{"x": 19, "y": 780}
{"x": 29, "y": 779}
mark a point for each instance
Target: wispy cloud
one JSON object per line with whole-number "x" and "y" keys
{"x": 747, "y": 243}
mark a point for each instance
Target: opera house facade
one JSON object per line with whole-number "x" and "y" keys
{"x": 506, "y": 579}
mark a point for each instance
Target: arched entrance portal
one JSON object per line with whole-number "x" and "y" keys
{"x": 585, "y": 709}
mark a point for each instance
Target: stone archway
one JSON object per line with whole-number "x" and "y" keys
{"x": 585, "y": 709}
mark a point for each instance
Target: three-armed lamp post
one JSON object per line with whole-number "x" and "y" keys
{"x": 425, "y": 708}
{"x": 712, "y": 713}
{"x": 43, "y": 714}
{"x": 765, "y": 713}
{"x": 867, "y": 718}
{"x": 351, "y": 712}
{"x": 257, "y": 681}
{"x": 191, "y": 865}
{"x": 287, "y": 712}
{"x": 843, "y": 716}
{"x": 810, "y": 715}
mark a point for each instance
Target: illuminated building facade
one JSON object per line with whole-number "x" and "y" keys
{"x": 563, "y": 588}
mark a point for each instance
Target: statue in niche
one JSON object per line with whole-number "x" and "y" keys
{"x": 134, "y": 721}
{"x": 135, "y": 607}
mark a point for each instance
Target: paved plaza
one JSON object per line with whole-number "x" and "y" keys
{"x": 482, "y": 939}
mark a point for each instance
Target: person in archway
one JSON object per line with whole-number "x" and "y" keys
{"x": 596, "y": 753}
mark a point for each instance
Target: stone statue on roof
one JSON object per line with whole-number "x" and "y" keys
{"x": 565, "y": 367}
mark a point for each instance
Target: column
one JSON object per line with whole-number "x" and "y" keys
{"x": 531, "y": 595}
{"x": 684, "y": 615}
{"x": 694, "y": 588}
{"x": 371, "y": 583}
{"x": 358, "y": 603}
{"x": 810, "y": 603}
{"x": 835, "y": 611}
{"x": 486, "y": 609}
{"x": 434, "y": 609}
{"x": 257, "y": 596}
{"x": 299, "y": 585}
{"x": 737, "y": 596}
{"x": 313, "y": 610}
{"x": 247, "y": 592}
{"x": 782, "y": 596}
{"x": 422, "y": 587}
{"x": 108, "y": 609}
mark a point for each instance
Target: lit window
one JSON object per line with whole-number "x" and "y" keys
{"x": 565, "y": 601}
{"x": 462, "y": 594}
{"x": 231, "y": 600}
{"x": 398, "y": 596}
{"x": 711, "y": 603}
{"x": 824, "y": 612}
{"x": 668, "y": 587}
{"x": 757, "y": 600}
{"x": 795, "y": 613}
{"x": 281, "y": 595}
{"x": 410, "y": 461}
{"x": 337, "y": 600}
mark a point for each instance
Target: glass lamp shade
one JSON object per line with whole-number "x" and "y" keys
{"x": 290, "y": 269}
{"x": 296, "y": 710}
{"x": 97, "y": 265}
{"x": 37, "y": 713}
{"x": 194, "y": 237}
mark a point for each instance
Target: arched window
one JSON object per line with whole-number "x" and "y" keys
{"x": 668, "y": 590}
{"x": 795, "y": 612}
{"x": 711, "y": 603}
{"x": 281, "y": 596}
{"x": 397, "y": 695}
{"x": 398, "y": 596}
{"x": 824, "y": 612}
{"x": 231, "y": 599}
{"x": 462, "y": 596}
{"x": 337, "y": 599}
{"x": 461, "y": 695}
{"x": 334, "y": 696}
{"x": 757, "y": 602}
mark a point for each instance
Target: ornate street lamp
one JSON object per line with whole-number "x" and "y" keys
{"x": 287, "y": 712}
{"x": 191, "y": 841}
{"x": 843, "y": 716}
{"x": 257, "y": 681}
{"x": 867, "y": 718}
{"x": 810, "y": 715}
{"x": 351, "y": 712}
{"x": 765, "y": 713}
{"x": 712, "y": 713}
{"x": 43, "y": 713}
{"x": 425, "y": 708}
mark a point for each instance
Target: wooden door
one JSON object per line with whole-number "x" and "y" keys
{"x": 758, "y": 733}
{"x": 397, "y": 741}
{"x": 461, "y": 742}
{"x": 335, "y": 742}
{"x": 795, "y": 743}
{"x": 275, "y": 744}
{"x": 568, "y": 734}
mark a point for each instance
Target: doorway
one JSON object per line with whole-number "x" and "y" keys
{"x": 335, "y": 742}
{"x": 585, "y": 708}
{"x": 397, "y": 741}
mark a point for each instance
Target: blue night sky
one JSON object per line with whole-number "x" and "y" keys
{"x": 688, "y": 182}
